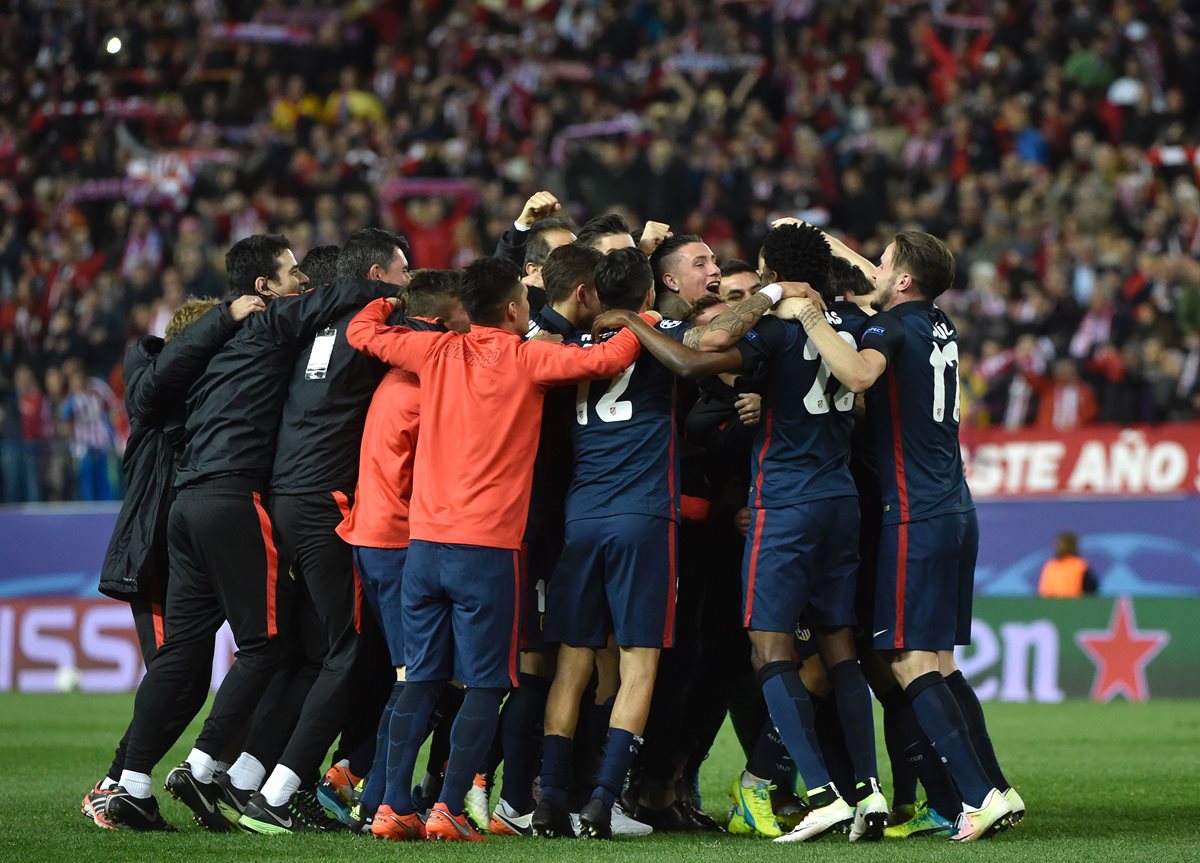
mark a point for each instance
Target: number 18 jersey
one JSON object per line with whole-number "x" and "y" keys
{"x": 626, "y": 455}
{"x": 912, "y": 414}
{"x": 802, "y": 449}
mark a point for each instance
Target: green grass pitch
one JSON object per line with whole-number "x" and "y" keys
{"x": 1110, "y": 783}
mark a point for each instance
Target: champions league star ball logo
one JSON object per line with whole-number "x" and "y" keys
{"x": 1121, "y": 654}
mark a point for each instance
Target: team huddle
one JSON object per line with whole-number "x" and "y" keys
{"x": 503, "y": 510}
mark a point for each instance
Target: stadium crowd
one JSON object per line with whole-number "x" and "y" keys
{"x": 1050, "y": 143}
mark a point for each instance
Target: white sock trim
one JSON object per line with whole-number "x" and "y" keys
{"x": 137, "y": 784}
{"x": 247, "y": 773}
{"x": 281, "y": 785}
{"x": 203, "y": 765}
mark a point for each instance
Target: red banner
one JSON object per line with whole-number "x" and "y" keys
{"x": 1100, "y": 461}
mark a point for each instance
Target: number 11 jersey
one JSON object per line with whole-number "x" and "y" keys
{"x": 912, "y": 414}
{"x": 626, "y": 453}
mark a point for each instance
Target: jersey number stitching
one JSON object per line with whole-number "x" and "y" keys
{"x": 816, "y": 400}
{"x": 939, "y": 358}
{"x": 610, "y": 408}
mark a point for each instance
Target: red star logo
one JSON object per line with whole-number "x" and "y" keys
{"x": 1121, "y": 654}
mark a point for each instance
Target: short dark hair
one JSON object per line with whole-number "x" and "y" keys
{"x": 488, "y": 285}
{"x": 735, "y": 267}
{"x": 432, "y": 293}
{"x": 567, "y": 267}
{"x": 622, "y": 278}
{"x": 664, "y": 256}
{"x": 254, "y": 256}
{"x": 537, "y": 247}
{"x": 320, "y": 265}
{"x": 704, "y": 303}
{"x": 847, "y": 280}
{"x": 597, "y": 228}
{"x": 926, "y": 259}
{"x": 799, "y": 253}
{"x": 366, "y": 247}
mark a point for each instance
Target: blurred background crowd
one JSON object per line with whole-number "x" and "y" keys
{"x": 1052, "y": 143}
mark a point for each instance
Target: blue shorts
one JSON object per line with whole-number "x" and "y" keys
{"x": 616, "y": 574}
{"x": 461, "y": 605}
{"x": 801, "y": 561}
{"x": 925, "y": 582}
{"x": 381, "y": 574}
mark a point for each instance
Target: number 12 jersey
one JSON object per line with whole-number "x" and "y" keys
{"x": 626, "y": 456}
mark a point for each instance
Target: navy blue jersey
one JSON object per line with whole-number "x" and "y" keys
{"x": 552, "y": 465}
{"x": 547, "y": 320}
{"x": 802, "y": 448}
{"x": 626, "y": 457}
{"x": 912, "y": 414}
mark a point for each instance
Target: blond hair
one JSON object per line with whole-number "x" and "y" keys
{"x": 186, "y": 315}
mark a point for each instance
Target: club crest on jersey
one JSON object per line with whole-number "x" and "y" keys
{"x": 941, "y": 331}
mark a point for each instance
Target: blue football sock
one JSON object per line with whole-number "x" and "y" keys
{"x": 896, "y": 739}
{"x": 831, "y": 736}
{"x": 854, "y": 709}
{"x": 972, "y": 711}
{"x": 406, "y": 733}
{"x": 520, "y": 728}
{"x": 769, "y": 759}
{"x": 373, "y": 790}
{"x": 943, "y": 723}
{"x": 792, "y": 712}
{"x": 619, "y": 752}
{"x": 556, "y": 768}
{"x": 470, "y": 738}
{"x": 919, "y": 758}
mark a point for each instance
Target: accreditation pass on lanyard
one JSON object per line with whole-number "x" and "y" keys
{"x": 318, "y": 358}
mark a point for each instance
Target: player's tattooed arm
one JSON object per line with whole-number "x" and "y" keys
{"x": 723, "y": 331}
{"x": 856, "y": 369}
{"x": 684, "y": 362}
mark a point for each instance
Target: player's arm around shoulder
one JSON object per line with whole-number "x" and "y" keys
{"x": 552, "y": 364}
{"x": 726, "y": 329}
{"x": 404, "y": 348}
{"x": 723, "y": 331}
{"x": 665, "y": 342}
{"x": 856, "y": 367}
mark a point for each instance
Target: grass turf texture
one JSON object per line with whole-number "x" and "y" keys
{"x": 1109, "y": 783}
